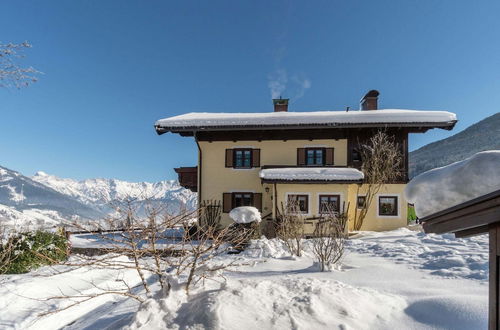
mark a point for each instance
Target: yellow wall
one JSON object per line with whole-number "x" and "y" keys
{"x": 217, "y": 179}
{"x": 373, "y": 221}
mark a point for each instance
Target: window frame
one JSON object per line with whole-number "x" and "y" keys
{"x": 320, "y": 211}
{"x": 233, "y": 198}
{"x": 396, "y": 203}
{"x": 307, "y": 195}
{"x": 323, "y": 156}
{"x": 235, "y": 150}
{"x": 364, "y": 202}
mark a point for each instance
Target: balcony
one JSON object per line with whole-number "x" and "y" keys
{"x": 188, "y": 177}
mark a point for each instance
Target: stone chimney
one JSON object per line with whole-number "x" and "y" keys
{"x": 370, "y": 100}
{"x": 280, "y": 105}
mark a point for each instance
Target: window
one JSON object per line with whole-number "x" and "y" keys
{"x": 242, "y": 199}
{"x": 328, "y": 203}
{"x": 361, "y": 202}
{"x": 388, "y": 205}
{"x": 242, "y": 158}
{"x": 315, "y": 156}
{"x": 301, "y": 201}
{"x": 356, "y": 155}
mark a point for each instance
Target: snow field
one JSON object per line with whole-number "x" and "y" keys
{"x": 381, "y": 284}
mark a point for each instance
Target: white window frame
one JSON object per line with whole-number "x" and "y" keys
{"x": 398, "y": 204}
{"x": 308, "y": 201}
{"x": 330, "y": 193}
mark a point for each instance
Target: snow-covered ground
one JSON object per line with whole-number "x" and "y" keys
{"x": 400, "y": 279}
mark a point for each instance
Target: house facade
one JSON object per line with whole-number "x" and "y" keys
{"x": 266, "y": 159}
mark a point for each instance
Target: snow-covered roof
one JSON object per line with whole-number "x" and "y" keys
{"x": 374, "y": 118}
{"x": 334, "y": 174}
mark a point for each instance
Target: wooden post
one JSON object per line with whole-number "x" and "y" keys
{"x": 494, "y": 283}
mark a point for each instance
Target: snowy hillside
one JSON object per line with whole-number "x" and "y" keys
{"x": 100, "y": 192}
{"x": 46, "y": 200}
{"x": 484, "y": 135}
{"x": 23, "y": 198}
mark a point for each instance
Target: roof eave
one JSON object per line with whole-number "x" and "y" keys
{"x": 285, "y": 181}
{"x": 448, "y": 125}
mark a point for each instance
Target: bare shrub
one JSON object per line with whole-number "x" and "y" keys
{"x": 329, "y": 238}
{"x": 381, "y": 164}
{"x": 157, "y": 247}
{"x": 290, "y": 227}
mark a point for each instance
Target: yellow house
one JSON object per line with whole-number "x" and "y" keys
{"x": 265, "y": 159}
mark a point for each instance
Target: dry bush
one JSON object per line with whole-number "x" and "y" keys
{"x": 381, "y": 164}
{"x": 157, "y": 247}
{"x": 329, "y": 238}
{"x": 290, "y": 227}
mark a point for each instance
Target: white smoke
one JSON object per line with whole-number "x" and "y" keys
{"x": 302, "y": 85}
{"x": 277, "y": 81}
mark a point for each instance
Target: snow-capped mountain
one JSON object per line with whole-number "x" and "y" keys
{"x": 101, "y": 192}
{"x": 22, "y": 193}
{"x": 48, "y": 200}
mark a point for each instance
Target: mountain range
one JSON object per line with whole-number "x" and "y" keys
{"x": 484, "y": 135}
{"x": 46, "y": 200}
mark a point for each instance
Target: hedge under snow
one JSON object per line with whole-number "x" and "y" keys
{"x": 444, "y": 187}
{"x": 245, "y": 214}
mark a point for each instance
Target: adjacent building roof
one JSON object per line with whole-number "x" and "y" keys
{"x": 280, "y": 120}
{"x": 311, "y": 174}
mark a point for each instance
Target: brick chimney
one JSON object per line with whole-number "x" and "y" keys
{"x": 280, "y": 105}
{"x": 370, "y": 100}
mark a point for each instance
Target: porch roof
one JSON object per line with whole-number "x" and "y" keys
{"x": 311, "y": 175}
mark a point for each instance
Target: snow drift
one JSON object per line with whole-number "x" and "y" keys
{"x": 444, "y": 187}
{"x": 245, "y": 214}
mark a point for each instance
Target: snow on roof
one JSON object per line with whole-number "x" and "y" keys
{"x": 311, "y": 174}
{"x": 318, "y": 118}
{"x": 447, "y": 186}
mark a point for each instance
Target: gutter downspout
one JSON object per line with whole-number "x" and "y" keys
{"x": 199, "y": 167}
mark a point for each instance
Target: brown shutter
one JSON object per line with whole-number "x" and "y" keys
{"x": 301, "y": 156}
{"x": 229, "y": 157}
{"x": 329, "y": 156}
{"x": 227, "y": 201}
{"x": 257, "y": 201}
{"x": 255, "y": 157}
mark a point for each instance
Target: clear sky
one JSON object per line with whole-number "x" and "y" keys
{"x": 111, "y": 68}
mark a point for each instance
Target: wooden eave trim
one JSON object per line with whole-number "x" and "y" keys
{"x": 479, "y": 212}
{"x": 191, "y": 129}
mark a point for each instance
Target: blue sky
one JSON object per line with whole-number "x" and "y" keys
{"x": 111, "y": 68}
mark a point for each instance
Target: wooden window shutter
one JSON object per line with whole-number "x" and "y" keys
{"x": 255, "y": 157}
{"x": 301, "y": 156}
{"x": 257, "y": 201}
{"x": 229, "y": 157}
{"x": 227, "y": 201}
{"x": 329, "y": 156}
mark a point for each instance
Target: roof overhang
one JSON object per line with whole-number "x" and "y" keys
{"x": 470, "y": 218}
{"x": 189, "y": 124}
